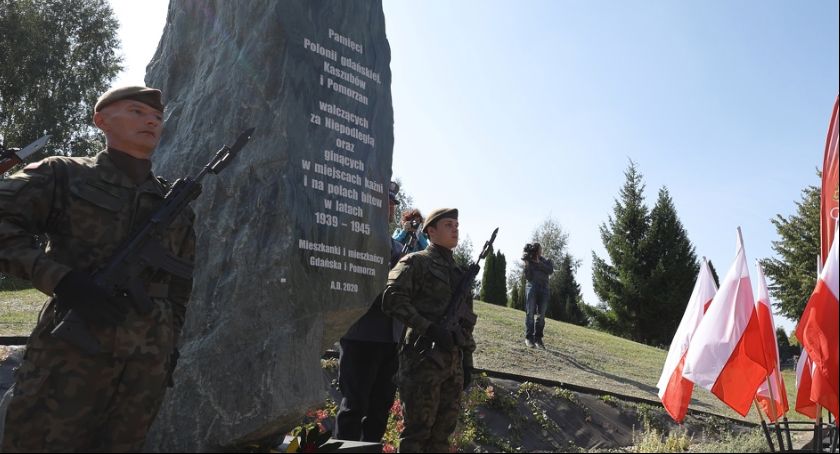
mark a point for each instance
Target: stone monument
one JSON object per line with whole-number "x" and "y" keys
{"x": 292, "y": 237}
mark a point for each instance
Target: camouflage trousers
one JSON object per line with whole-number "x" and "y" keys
{"x": 431, "y": 400}
{"x": 66, "y": 401}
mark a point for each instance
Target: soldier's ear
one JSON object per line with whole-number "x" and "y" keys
{"x": 100, "y": 120}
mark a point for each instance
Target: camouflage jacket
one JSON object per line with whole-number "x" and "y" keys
{"x": 85, "y": 208}
{"x": 419, "y": 289}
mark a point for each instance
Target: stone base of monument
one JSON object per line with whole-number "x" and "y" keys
{"x": 346, "y": 445}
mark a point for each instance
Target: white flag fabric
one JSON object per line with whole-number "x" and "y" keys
{"x": 674, "y": 390}
{"x": 772, "y": 389}
{"x": 725, "y": 355}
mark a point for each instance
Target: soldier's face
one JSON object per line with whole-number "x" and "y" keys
{"x": 445, "y": 233}
{"x": 131, "y": 127}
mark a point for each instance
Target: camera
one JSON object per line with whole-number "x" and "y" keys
{"x": 530, "y": 251}
{"x": 415, "y": 224}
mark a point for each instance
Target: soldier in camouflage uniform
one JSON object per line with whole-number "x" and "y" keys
{"x": 65, "y": 400}
{"x": 418, "y": 293}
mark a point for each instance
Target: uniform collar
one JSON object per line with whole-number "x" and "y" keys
{"x": 442, "y": 251}
{"x": 109, "y": 173}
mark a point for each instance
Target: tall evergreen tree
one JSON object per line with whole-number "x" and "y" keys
{"x": 794, "y": 274}
{"x": 516, "y": 282}
{"x": 714, "y": 274}
{"x": 621, "y": 283}
{"x": 500, "y": 280}
{"x": 57, "y": 57}
{"x": 652, "y": 266}
{"x": 488, "y": 282}
{"x": 514, "y": 295}
{"x": 568, "y": 294}
{"x": 673, "y": 270}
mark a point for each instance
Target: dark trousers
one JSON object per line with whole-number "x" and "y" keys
{"x": 365, "y": 378}
{"x": 536, "y": 305}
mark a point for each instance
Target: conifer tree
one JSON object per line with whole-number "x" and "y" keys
{"x": 714, "y": 273}
{"x": 674, "y": 269}
{"x": 499, "y": 290}
{"x": 621, "y": 283}
{"x": 646, "y": 284}
{"x": 488, "y": 278}
{"x": 568, "y": 293}
{"x": 794, "y": 274}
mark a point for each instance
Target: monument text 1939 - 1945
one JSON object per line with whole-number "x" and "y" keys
{"x": 292, "y": 240}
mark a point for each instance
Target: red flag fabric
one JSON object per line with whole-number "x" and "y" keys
{"x": 819, "y": 332}
{"x": 674, "y": 390}
{"x": 804, "y": 404}
{"x": 726, "y": 355}
{"x": 829, "y": 195}
{"x": 771, "y": 390}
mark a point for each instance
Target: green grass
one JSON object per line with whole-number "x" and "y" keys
{"x": 585, "y": 357}
{"x": 19, "y": 311}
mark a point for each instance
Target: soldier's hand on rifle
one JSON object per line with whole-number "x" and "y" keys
{"x": 441, "y": 336}
{"x": 79, "y": 292}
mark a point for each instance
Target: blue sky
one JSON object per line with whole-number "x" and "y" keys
{"x": 516, "y": 111}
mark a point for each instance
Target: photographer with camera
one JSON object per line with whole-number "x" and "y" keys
{"x": 537, "y": 270}
{"x": 409, "y": 235}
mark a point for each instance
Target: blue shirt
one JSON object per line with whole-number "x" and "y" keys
{"x": 403, "y": 236}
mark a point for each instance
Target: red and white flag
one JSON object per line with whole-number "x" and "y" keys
{"x": 772, "y": 389}
{"x": 725, "y": 355}
{"x": 674, "y": 390}
{"x": 818, "y": 332}
{"x": 804, "y": 369}
{"x": 830, "y": 192}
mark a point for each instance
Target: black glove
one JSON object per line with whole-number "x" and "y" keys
{"x": 77, "y": 291}
{"x": 173, "y": 361}
{"x": 468, "y": 370}
{"x": 441, "y": 336}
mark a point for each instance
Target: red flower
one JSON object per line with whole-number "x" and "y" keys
{"x": 387, "y": 447}
{"x": 396, "y": 408}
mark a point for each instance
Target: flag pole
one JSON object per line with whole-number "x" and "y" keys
{"x": 784, "y": 415}
{"x": 764, "y": 426}
{"x": 818, "y": 430}
{"x": 775, "y": 414}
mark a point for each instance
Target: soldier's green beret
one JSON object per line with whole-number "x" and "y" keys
{"x": 146, "y": 95}
{"x": 439, "y": 214}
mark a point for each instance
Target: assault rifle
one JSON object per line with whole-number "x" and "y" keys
{"x": 13, "y": 156}
{"x": 120, "y": 277}
{"x": 458, "y": 313}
